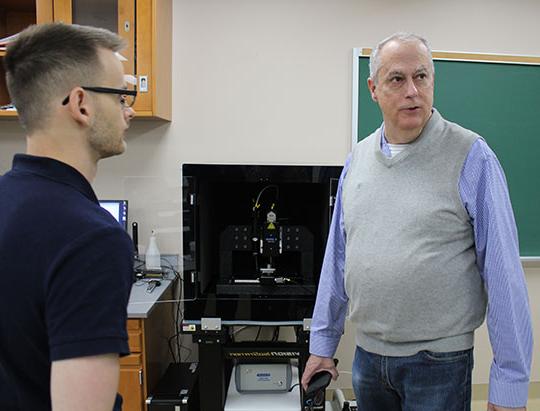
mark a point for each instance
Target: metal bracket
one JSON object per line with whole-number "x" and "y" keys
{"x": 307, "y": 324}
{"x": 211, "y": 324}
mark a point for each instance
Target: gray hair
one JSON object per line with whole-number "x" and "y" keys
{"x": 47, "y": 61}
{"x": 402, "y": 37}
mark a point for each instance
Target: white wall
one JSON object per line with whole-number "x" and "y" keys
{"x": 270, "y": 82}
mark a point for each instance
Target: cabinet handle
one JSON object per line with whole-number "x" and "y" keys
{"x": 140, "y": 377}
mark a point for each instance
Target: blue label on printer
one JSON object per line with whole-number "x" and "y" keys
{"x": 264, "y": 376}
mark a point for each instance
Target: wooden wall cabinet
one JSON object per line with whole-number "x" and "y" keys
{"x": 16, "y": 15}
{"x": 146, "y": 25}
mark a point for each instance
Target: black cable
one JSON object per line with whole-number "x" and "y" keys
{"x": 232, "y": 332}
{"x": 171, "y": 350}
{"x": 171, "y": 268}
{"x": 290, "y": 389}
{"x": 181, "y": 346}
{"x": 137, "y": 267}
{"x": 177, "y": 323}
{"x": 176, "y": 314}
{"x": 177, "y": 318}
{"x": 258, "y": 332}
{"x": 256, "y": 257}
{"x": 275, "y": 337}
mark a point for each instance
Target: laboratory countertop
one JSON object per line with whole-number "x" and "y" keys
{"x": 142, "y": 301}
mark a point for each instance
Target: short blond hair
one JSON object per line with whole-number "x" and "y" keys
{"x": 48, "y": 60}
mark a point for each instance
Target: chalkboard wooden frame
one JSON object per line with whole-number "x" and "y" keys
{"x": 524, "y": 204}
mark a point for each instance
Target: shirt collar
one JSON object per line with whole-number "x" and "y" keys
{"x": 53, "y": 170}
{"x": 385, "y": 148}
{"x": 384, "y": 143}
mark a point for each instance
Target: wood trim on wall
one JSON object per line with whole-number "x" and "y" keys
{"x": 466, "y": 56}
{"x": 144, "y": 54}
{"x": 162, "y": 58}
{"x": 44, "y": 11}
{"x": 62, "y": 11}
{"x": 126, "y": 13}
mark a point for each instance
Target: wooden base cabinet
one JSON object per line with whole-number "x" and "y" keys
{"x": 141, "y": 370}
{"x": 130, "y": 387}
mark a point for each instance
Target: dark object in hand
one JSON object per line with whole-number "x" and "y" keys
{"x": 314, "y": 396}
{"x": 318, "y": 382}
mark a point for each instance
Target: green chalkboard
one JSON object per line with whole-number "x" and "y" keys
{"x": 499, "y": 101}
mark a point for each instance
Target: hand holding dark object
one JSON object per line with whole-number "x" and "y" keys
{"x": 316, "y": 364}
{"x": 318, "y": 381}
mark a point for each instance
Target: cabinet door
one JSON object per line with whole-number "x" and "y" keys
{"x": 149, "y": 23}
{"x": 15, "y": 16}
{"x": 131, "y": 389}
{"x": 117, "y": 16}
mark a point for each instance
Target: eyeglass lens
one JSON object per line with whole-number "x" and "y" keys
{"x": 127, "y": 100}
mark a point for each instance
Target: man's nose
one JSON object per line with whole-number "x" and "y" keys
{"x": 412, "y": 91}
{"x": 129, "y": 113}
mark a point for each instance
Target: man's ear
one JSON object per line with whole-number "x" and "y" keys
{"x": 80, "y": 107}
{"x": 371, "y": 86}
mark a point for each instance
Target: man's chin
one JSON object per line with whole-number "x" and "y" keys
{"x": 413, "y": 122}
{"x": 111, "y": 153}
{"x": 411, "y": 126}
{"x": 121, "y": 147}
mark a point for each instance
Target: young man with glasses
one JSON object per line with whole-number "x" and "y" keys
{"x": 67, "y": 261}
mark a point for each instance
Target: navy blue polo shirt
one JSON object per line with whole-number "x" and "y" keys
{"x": 65, "y": 277}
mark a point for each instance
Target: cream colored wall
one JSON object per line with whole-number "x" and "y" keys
{"x": 270, "y": 82}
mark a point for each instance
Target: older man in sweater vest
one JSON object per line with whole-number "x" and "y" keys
{"x": 422, "y": 241}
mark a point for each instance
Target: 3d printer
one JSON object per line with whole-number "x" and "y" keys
{"x": 269, "y": 251}
{"x": 254, "y": 239}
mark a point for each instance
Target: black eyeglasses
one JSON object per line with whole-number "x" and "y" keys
{"x": 127, "y": 97}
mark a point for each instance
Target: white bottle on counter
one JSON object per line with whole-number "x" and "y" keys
{"x": 153, "y": 257}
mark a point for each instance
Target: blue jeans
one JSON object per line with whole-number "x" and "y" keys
{"x": 426, "y": 381}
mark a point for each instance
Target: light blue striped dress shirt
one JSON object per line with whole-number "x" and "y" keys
{"x": 484, "y": 193}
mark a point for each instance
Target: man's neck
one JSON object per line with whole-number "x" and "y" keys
{"x": 393, "y": 137}
{"x": 44, "y": 145}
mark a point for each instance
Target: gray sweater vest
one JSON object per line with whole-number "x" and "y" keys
{"x": 410, "y": 267}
